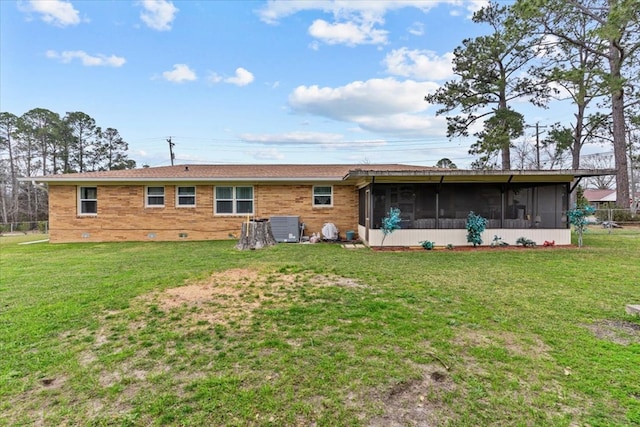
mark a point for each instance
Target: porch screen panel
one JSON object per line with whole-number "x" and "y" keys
{"x": 362, "y": 215}
{"x": 550, "y": 207}
{"x": 457, "y": 200}
{"x": 536, "y": 206}
{"x": 417, "y": 204}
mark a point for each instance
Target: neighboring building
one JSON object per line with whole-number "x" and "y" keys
{"x": 207, "y": 202}
{"x": 598, "y": 198}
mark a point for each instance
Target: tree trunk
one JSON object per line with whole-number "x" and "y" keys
{"x": 619, "y": 132}
{"x": 256, "y": 234}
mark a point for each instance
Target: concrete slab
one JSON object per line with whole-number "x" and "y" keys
{"x": 633, "y": 309}
{"x": 353, "y": 246}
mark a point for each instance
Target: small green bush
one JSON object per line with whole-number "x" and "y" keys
{"x": 527, "y": 243}
{"x": 428, "y": 245}
{"x": 390, "y": 223}
{"x": 497, "y": 241}
{"x": 475, "y": 227}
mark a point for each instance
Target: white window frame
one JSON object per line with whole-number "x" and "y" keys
{"x": 178, "y": 196}
{"x": 234, "y": 200}
{"x": 81, "y": 200}
{"x": 313, "y": 196}
{"x": 147, "y": 195}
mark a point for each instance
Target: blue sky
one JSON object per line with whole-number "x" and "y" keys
{"x": 244, "y": 81}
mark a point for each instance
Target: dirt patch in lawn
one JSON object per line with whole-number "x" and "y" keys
{"x": 515, "y": 345}
{"x": 233, "y": 295}
{"x": 621, "y": 332}
{"x": 418, "y": 402}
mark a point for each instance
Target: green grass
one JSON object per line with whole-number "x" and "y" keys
{"x": 99, "y": 334}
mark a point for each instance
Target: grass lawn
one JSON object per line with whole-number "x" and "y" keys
{"x": 197, "y": 333}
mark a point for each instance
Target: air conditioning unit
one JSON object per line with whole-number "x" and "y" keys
{"x": 285, "y": 229}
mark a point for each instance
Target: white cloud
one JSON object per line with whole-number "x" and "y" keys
{"x": 320, "y": 139}
{"x": 386, "y": 106}
{"x": 158, "y": 14}
{"x": 180, "y": 73}
{"x": 293, "y": 138}
{"x": 354, "y": 22}
{"x": 214, "y": 78}
{"x": 406, "y": 124}
{"x": 266, "y": 154}
{"x": 98, "y": 60}
{"x": 56, "y": 12}
{"x": 419, "y": 64}
{"x": 475, "y": 5}
{"x": 275, "y": 10}
{"x": 348, "y": 33}
{"x": 417, "y": 29}
{"x": 375, "y": 97}
{"x": 241, "y": 78}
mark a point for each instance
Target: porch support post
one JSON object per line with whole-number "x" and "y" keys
{"x": 575, "y": 184}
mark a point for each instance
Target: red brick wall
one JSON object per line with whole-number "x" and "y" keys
{"x": 122, "y": 215}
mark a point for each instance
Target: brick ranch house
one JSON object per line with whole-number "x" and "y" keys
{"x": 209, "y": 202}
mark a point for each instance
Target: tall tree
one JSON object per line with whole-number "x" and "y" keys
{"x": 112, "y": 149}
{"x": 8, "y": 128}
{"x": 446, "y": 163}
{"x": 83, "y": 132}
{"x": 29, "y": 163}
{"x": 41, "y": 125}
{"x": 491, "y": 74}
{"x": 613, "y": 36}
{"x": 577, "y": 71}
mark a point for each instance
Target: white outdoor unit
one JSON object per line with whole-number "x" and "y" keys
{"x": 285, "y": 229}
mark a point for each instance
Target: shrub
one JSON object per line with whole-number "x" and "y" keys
{"x": 497, "y": 241}
{"x": 475, "y": 226}
{"x": 578, "y": 218}
{"x": 527, "y": 243}
{"x": 428, "y": 245}
{"x": 450, "y": 246}
{"x": 390, "y": 223}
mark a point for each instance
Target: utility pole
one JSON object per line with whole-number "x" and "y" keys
{"x": 171, "y": 144}
{"x": 538, "y": 127}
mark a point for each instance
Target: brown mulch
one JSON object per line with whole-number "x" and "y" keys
{"x": 470, "y": 248}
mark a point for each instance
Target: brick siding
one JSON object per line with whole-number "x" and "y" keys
{"x": 122, "y": 215}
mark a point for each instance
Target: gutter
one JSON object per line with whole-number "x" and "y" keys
{"x": 73, "y": 180}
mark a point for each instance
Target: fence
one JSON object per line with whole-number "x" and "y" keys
{"x": 24, "y": 227}
{"x": 617, "y": 215}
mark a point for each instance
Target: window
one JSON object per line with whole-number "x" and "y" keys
{"x": 155, "y": 197}
{"x": 88, "y": 200}
{"x": 186, "y": 196}
{"x": 234, "y": 200}
{"x": 322, "y": 196}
